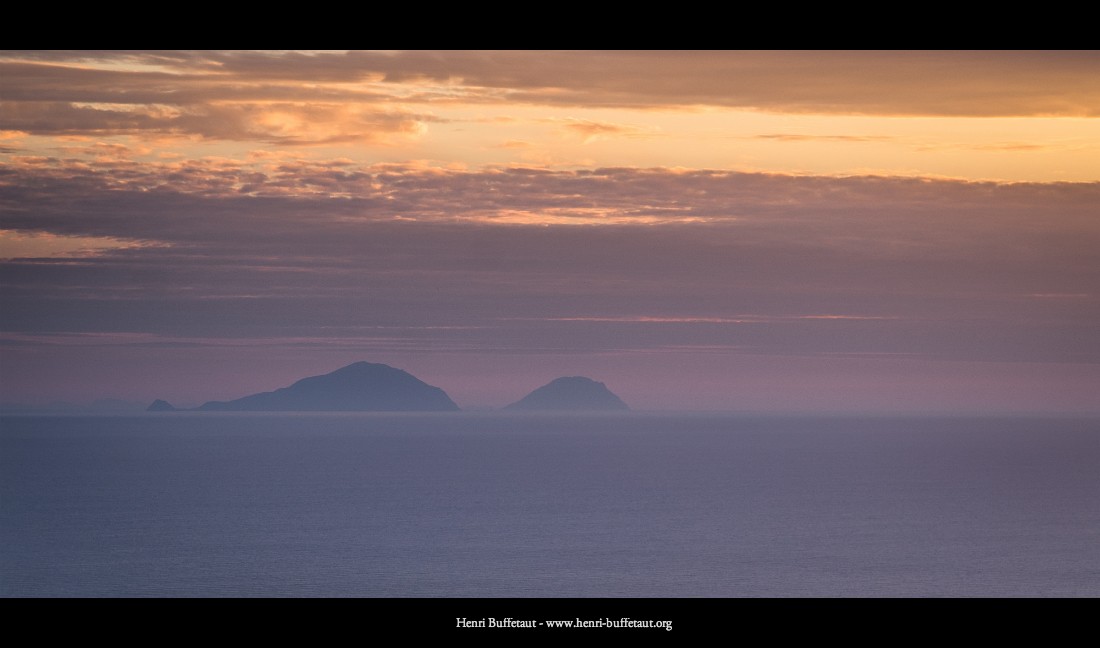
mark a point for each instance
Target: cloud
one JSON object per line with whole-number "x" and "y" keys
{"x": 888, "y": 217}
{"x": 894, "y": 82}
{"x": 515, "y": 144}
{"x": 274, "y": 123}
{"x": 592, "y": 130}
{"x": 281, "y": 266}
{"x": 14, "y": 245}
{"x": 284, "y": 247}
{"x": 969, "y": 83}
{"x": 1061, "y": 295}
{"x": 736, "y": 319}
{"x": 801, "y": 137}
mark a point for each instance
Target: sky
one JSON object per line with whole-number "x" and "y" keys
{"x": 747, "y": 231}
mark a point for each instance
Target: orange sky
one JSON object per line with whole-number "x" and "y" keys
{"x": 1010, "y": 116}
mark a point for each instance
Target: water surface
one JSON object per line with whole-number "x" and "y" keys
{"x": 513, "y": 505}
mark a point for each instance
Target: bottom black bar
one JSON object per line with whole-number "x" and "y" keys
{"x": 650, "y": 620}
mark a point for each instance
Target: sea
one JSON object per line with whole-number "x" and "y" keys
{"x": 501, "y": 504}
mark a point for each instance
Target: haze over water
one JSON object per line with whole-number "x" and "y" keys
{"x": 497, "y": 504}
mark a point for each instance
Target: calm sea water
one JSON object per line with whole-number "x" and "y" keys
{"x": 497, "y": 505}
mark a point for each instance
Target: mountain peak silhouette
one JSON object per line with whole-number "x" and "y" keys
{"x": 570, "y": 393}
{"x": 160, "y": 406}
{"x": 358, "y": 387}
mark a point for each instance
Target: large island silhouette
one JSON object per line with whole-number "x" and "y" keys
{"x": 572, "y": 393}
{"x": 358, "y": 387}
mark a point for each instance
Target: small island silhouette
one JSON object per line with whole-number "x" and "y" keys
{"x": 575, "y": 393}
{"x": 161, "y": 406}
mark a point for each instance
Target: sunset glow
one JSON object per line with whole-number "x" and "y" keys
{"x": 902, "y": 231}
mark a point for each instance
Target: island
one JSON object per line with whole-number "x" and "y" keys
{"x": 575, "y": 393}
{"x": 358, "y": 387}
